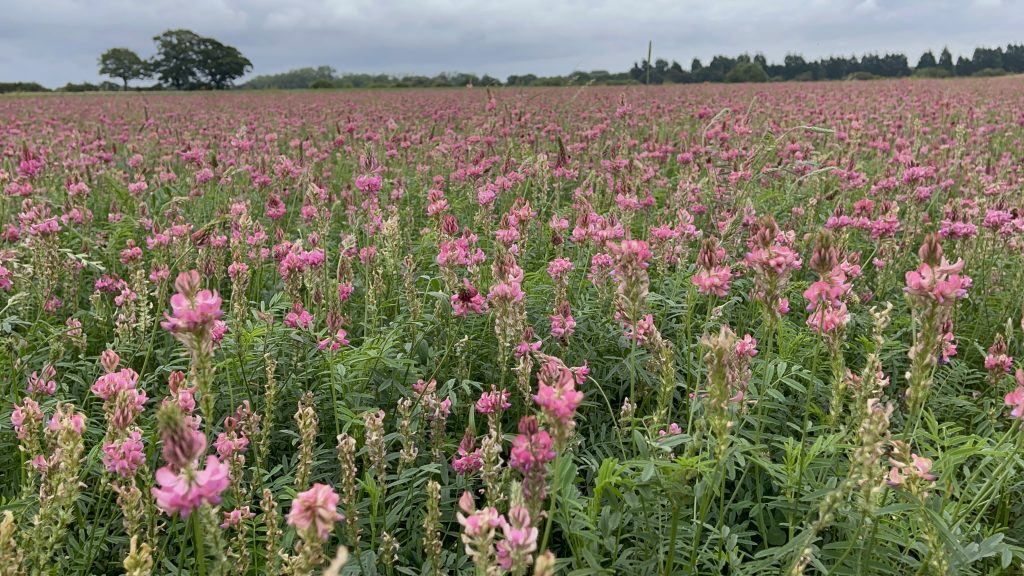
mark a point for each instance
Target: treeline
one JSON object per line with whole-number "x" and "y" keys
{"x": 743, "y": 68}
{"x": 327, "y": 77}
{"x": 11, "y": 87}
{"x": 188, "y": 61}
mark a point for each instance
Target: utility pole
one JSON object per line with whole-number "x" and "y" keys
{"x": 650, "y": 44}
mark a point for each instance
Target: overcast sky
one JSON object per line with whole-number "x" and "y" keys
{"x": 56, "y": 41}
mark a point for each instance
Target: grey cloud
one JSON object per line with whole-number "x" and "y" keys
{"x": 56, "y": 41}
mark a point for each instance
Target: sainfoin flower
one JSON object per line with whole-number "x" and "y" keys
{"x": 468, "y": 458}
{"x": 714, "y": 281}
{"x": 315, "y": 510}
{"x": 998, "y": 362}
{"x": 563, "y": 325}
{"x": 936, "y": 279}
{"x": 468, "y": 300}
{"x": 192, "y": 310}
{"x": 520, "y": 540}
{"x": 335, "y": 343}
{"x": 26, "y": 417}
{"x": 123, "y": 457}
{"x": 183, "y": 443}
{"x": 478, "y": 530}
{"x": 235, "y": 517}
{"x": 188, "y": 489}
{"x": 918, "y": 467}
{"x": 298, "y": 317}
{"x": 43, "y": 382}
{"x": 532, "y": 448}
{"x": 1015, "y": 400}
{"x": 108, "y": 385}
{"x": 712, "y": 277}
{"x": 942, "y": 283}
{"x": 556, "y": 394}
{"x": 493, "y": 401}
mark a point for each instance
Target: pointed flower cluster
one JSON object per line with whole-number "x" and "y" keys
{"x": 182, "y": 485}
{"x": 728, "y": 363}
{"x": 513, "y": 552}
{"x": 827, "y": 297}
{"x": 557, "y": 396}
{"x": 772, "y": 260}
{"x": 193, "y": 311}
{"x": 631, "y": 259}
{"x": 909, "y": 470}
{"x": 932, "y": 290}
{"x": 712, "y": 275}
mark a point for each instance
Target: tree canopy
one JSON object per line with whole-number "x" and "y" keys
{"x": 123, "y": 64}
{"x": 188, "y": 61}
{"x": 184, "y": 60}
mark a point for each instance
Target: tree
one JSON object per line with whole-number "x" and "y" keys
{"x": 676, "y": 74}
{"x": 220, "y": 65}
{"x": 795, "y": 65}
{"x": 1013, "y": 58}
{"x": 839, "y": 67}
{"x": 716, "y": 70}
{"x": 636, "y": 72}
{"x": 985, "y": 58}
{"x": 927, "y": 61}
{"x": 123, "y": 64}
{"x": 964, "y": 67}
{"x": 747, "y": 72}
{"x": 187, "y": 61}
{"x": 176, "y": 63}
{"x": 946, "y": 60}
{"x": 299, "y": 78}
{"x": 524, "y": 80}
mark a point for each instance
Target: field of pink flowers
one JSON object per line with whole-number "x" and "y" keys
{"x": 686, "y": 330}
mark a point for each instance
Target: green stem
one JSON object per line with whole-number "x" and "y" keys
{"x": 670, "y": 561}
{"x": 200, "y": 548}
{"x": 551, "y": 504}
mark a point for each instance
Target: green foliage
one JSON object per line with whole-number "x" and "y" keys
{"x": 989, "y": 73}
{"x": 8, "y": 87}
{"x": 862, "y": 76}
{"x": 105, "y": 86}
{"x": 123, "y": 64}
{"x": 295, "y": 79}
{"x": 747, "y": 72}
{"x": 177, "y": 61}
{"x": 933, "y": 72}
{"x": 188, "y": 61}
{"x": 927, "y": 60}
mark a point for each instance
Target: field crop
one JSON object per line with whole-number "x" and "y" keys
{"x": 687, "y": 330}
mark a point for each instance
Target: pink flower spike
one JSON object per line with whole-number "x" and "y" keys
{"x": 315, "y": 508}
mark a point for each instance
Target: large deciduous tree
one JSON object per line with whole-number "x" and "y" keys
{"x": 187, "y": 61}
{"x": 123, "y": 64}
{"x": 176, "y": 63}
{"x": 220, "y": 64}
